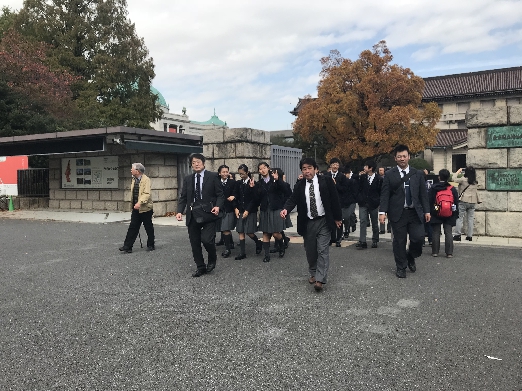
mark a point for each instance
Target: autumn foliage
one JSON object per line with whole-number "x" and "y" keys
{"x": 366, "y": 107}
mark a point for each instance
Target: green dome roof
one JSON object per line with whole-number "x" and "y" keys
{"x": 161, "y": 99}
{"x": 214, "y": 120}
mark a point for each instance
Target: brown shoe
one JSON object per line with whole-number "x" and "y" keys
{"x": 318, "y": 286}
{"x": 311, "y": 280}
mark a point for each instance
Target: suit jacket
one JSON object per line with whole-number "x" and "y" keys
{"x": 212, "y": 192}
{"x": 369, "y": 195}
{"x": 144, "y": 196}
{"x": 228, "y": 190}
{"x": 329, "y": 197}
{"x": 270, "y": 195}
{"x": 393, "y": 194}
{"x": 342, "y": 186}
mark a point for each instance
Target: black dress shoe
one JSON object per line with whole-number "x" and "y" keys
{"x": 210, "y": 267}
{"x": 220, "y": 243}
{"x": 346, "y": 235}
{"x": 226, "y": 253}
{"x": 411, "y": 263}
{"x": 240, "y": 256}
{"x": 266, "y": 258}
{"x": 354, "y": 227}
{"x": 456, "y": 238}
{"x": 361, "y": 245}
{"x": 381, "y": 232}
{"x": 374, "y": 244}
{"x": 151, "y": 248}
{"x": 469, "y": 238}
{"x": 199, "y": 272}
{"x": 259, "y": 247}
{"x": 287, "y": 240}
{"x": 274, "y": 250}
{"x": 337, "y": 244}
{"x": 125, "y": 249}
{"x": 401, "y": 273}
{"x": 282, "y": 252}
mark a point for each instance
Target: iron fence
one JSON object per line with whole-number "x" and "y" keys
{"x": 33, "y": 182}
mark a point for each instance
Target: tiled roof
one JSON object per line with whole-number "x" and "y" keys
{"x": 483, "y": 83}
{"x": 450, "y": 137}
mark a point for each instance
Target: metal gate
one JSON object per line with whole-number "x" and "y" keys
{"x": 33, "y": 182}
{"x": 287, "y": 159}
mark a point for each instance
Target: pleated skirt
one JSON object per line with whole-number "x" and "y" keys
{"x": 271, "y": 221}
{"x": 227, "y": 223}
{"x": 248, "y": 225}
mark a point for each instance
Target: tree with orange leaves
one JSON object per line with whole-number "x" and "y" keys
{"x": 366, "y": 107}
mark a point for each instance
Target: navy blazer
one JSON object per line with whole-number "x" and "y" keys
{"x": 342, "y": 186}
{"x": 329, "y": 197}
{"x": 270, "y": 195}
{"x": 369, "y": 196}
{"x": 228, "y": 190}
{"x": 212, "y": 192}
{"x": 245, "y": 197}
{"x": 393, "y": 194}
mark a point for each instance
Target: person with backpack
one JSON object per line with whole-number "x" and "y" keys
{"x": 444, "y": 204}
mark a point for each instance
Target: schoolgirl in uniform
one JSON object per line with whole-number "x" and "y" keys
{"x": 228, "y": 222}
{"x": 270, "y": 192}
{"x": 246, "y": 211}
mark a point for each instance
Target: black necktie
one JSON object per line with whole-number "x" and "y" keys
{"x": 408, "y": 191}
{"x": 198, "y": 188}
{"x": 313, "y": 203}
{"x": 370, "y": 180}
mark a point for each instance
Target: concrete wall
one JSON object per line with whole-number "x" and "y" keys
{"x": 500, "y": 212}
{"x": 161, "y": 168}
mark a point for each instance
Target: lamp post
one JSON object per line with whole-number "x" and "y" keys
{"x": 315, "y": 151}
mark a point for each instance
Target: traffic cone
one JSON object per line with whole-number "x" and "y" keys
{"x": 11, "y": 205}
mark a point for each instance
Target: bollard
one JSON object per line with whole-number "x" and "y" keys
{"x": 11, "y": 206}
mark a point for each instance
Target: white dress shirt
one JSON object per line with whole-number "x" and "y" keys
{"x": 318, "y": 200}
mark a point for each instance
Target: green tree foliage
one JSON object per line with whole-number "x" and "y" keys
{"x": 420, "y": 164}
{"x": 366, "y": 107}
{"x": 96, "y": 42}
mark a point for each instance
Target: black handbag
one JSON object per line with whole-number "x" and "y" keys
{"x": 202, "y": 213}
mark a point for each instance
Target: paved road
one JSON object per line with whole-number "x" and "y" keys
{"x": 76, "y": 314}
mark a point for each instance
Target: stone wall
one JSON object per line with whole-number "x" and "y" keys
{"x": 161, "y": 168}
{"x": 500, "y": 212}
{"x": 234, "y": 147}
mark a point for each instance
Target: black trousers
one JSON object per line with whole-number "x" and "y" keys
{"x": 408, "y": 224}
{"x": 202, "y": 234}
{"x": 137, "y": 219}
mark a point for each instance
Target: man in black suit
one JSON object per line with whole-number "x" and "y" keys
{"x": 369, "y": 198}
{"x": 405, "y": 199}
{"x": 201, "y": 189}
{"x": 318, "y": 214}
{"x": 341, "y": 184}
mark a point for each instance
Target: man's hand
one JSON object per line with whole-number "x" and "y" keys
{"x": 283, "y": 214}
{"x": 382, "y": 218}
{"x": 179, "y": 217}
{"x": 338, "y": 223}
{"x": 427, "y": 216}
{"x": 137, "y": 206}
{"x": 215, "y": 210}
{"x": 231, "y": 198}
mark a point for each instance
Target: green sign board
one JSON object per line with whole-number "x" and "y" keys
{"x": 504, "y": 137}
{"x": 504, "y": 180}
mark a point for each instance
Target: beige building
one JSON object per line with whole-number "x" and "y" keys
{"x": 455, "y": 94}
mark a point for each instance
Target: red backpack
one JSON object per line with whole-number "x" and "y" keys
{"x": 443, "y": 202}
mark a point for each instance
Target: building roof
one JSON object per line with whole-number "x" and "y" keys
{"x": 474, "y": 84}
{"x": 161, "y": 99}
{"x": 300, "y": 105}
{"x": 214, "y": 120}
{"x": 451, "y": 137}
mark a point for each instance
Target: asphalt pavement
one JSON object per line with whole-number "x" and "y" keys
{"x": 76, "y": 314}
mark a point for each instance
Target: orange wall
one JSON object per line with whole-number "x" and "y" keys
{"x": 9, "y": 166}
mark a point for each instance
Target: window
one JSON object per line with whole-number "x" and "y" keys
{"x": 462, "y": 107}
{"x": 487, "y": 104}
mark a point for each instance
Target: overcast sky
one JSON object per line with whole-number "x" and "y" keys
{"x": 252, "y": 60}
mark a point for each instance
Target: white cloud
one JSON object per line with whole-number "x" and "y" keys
{"x": 248, "y": 59}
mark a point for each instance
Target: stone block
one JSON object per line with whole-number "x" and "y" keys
{"x": 477, "y": 138}
{"x": 65, "y": 204}
{"x": 87, "y": 205}
{"x": 54, "y": 204}
{"x": 487, "y": 158}
{"x": 481, "y": 179}
{"x": 166, "y": 195}
{"x": 59, "y": 194}
{"x": 81, "y": 194}
{"x": 152, "y": 172}
{"x": 515, "y": 115}
{"x": 213, "y": 136}
{"x": 224, "y": 151}
{"x": 55, "y": 163}
{"x": 118, "y": 195}
{"x": 43, "y": 203}
{"x": 237, "y": 135}
{"x": 111, "y": 205}
{"x": 208, "y": 151}
{"x": 154, "y": 159}
{"x": 171, "y": 206}
{"x": 515, "y": 201}
{"x": 105, "y": 195}
{"x": 70, "y": 195}
{"x": 76, "y": 204}
{"x": 171, "y": 160}
{"x": 93, "y": 195}
{"x": 479, "y": 118}
{"x": 157, "y": 183}
{"x": 54, "y": 183}
{"x": 125, "y": 161}
{"x": 514, "y": 157}
{"x": 213, "y": 164}
{"x": 506, "y": 224}
{"x": 124, "y": 206}
{"x": 493, "y": 200}
{"x": 259, "y": 136}
{"x": 155, "y": 195}
{"x": 127, "y": 196}
{"x": 249, "y": 150}
{"x": 160, "y": 209}
{"x": 136, "y": 158}
{"x": 98, "y": 205}
{"x": 479, "y": 225}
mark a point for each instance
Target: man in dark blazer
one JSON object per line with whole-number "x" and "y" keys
{"x": 201, "y": 188}
{"x": 318, "y": 214}
{"x": 406, "y": 203}
{"x": 369, "y": 197}
{"x": 341, "y": 184}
